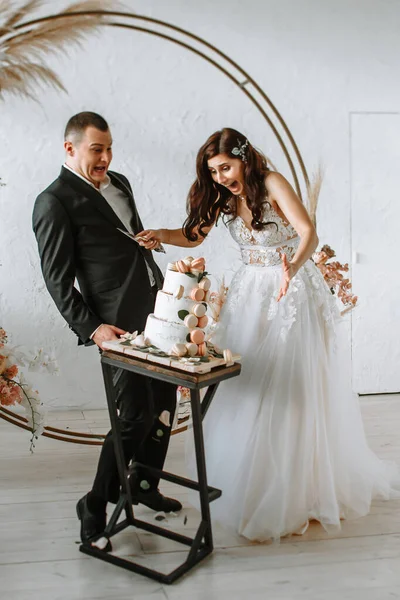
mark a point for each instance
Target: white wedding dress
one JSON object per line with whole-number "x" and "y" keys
{"x": 285, "y": 440}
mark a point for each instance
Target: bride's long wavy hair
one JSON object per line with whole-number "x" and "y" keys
{"x": 206, "y": 198}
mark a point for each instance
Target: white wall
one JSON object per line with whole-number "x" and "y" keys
{"x": 318, "y": 61}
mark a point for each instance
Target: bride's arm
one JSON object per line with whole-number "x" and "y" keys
{"x": 281, "y": 193}
{"x": 151, "y": 238}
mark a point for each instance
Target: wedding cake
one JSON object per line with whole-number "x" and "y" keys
{"x": 177, "y": 325}
{"x": 178, "y": 333}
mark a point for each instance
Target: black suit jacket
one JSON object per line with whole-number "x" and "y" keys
{"x": 77, "y": 235}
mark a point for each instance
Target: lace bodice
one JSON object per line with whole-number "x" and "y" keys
{"x": 264, "y": 247}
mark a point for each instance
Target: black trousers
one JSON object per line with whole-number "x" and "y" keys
{"x": 140, "y": 402}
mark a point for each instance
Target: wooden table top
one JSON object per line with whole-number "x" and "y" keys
{"x": 166, "y": 373}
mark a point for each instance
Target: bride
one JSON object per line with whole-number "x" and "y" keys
{"x": 284, "y": 441}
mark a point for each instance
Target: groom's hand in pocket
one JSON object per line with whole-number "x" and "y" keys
{"x": 105, "y": 333}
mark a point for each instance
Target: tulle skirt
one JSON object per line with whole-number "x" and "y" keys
{"x": 285, "y": 440}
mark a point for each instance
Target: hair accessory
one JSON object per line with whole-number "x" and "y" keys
{"x": 240, "y": 150}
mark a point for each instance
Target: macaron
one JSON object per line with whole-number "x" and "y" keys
{"x": 188, "y": 260}
{"x": 197, "y": 336}
{"x": 191, "y": 349}
{"x": 172, "y": 266}
{"x": 199, "y": 310}
{"x": 178, "y": 350}
{"x": 198, "y": 263}
{"x": 182, "y": 267}
{"x": 205, "y": 284}
{"x": 197, "y": 294}
{"x": 190, "y": 321}
{"x": 203, "y": 322}
{"x": 202, "y": 351}
{"x": 228, "y": 357}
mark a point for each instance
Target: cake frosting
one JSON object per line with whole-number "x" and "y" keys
{"x": 180, "y": 312}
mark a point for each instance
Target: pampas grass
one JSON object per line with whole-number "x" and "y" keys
{"x": 23, "y": 50}
{"x": 313, "y": 191}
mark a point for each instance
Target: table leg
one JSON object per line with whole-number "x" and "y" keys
{"x": 205, "y": 405}
{"x": 201, "y": 466}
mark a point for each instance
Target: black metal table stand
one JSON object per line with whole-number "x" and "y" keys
{"x": 202, "y": 543}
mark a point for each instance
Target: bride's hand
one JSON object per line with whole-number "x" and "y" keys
{"x": 150, "y": 238}
{"x": 288, "y": 271}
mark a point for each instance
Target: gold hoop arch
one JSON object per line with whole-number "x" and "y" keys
{"x": 74, "y": 437}
{"x": 243, "y": 81}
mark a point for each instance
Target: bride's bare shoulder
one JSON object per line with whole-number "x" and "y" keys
{"x": 274, "y": 180}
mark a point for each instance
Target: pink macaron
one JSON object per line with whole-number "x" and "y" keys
{"x": 197, "y": 294}
{"x": 197, "y": 336}
{"x": 203, "y": 322}
{"x": 202, "y": 351}
{"x": 182, "y": 267}
{"x": 199, "y": 264}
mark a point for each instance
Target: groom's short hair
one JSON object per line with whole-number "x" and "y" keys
{"x": 77, "y": 124}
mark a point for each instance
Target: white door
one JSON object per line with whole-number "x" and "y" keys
{"x": 375, "y": 231}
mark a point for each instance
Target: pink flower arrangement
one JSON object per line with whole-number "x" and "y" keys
{"x": 333, "y": 275}
{"x": 7, "y": 373}
{"x": 10, "y": 391}
{"x": 14, "y": 390}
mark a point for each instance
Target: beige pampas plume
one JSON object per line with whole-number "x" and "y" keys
{"x": 217, "y": 299}
{"x": 24, "y": 44}
{"x": 313, "y": 191}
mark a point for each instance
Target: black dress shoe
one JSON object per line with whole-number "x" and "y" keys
{"x": 92, "y": 524}
{"x": 156, "y": 501}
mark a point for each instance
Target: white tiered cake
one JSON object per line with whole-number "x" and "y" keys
{"x": 175, "y": 333}
{"x": 179, "y": 318}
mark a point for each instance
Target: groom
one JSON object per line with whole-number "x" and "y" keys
{"x": 76, "y": 221}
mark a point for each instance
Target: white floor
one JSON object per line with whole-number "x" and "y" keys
{"x": 39, "y": 557}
